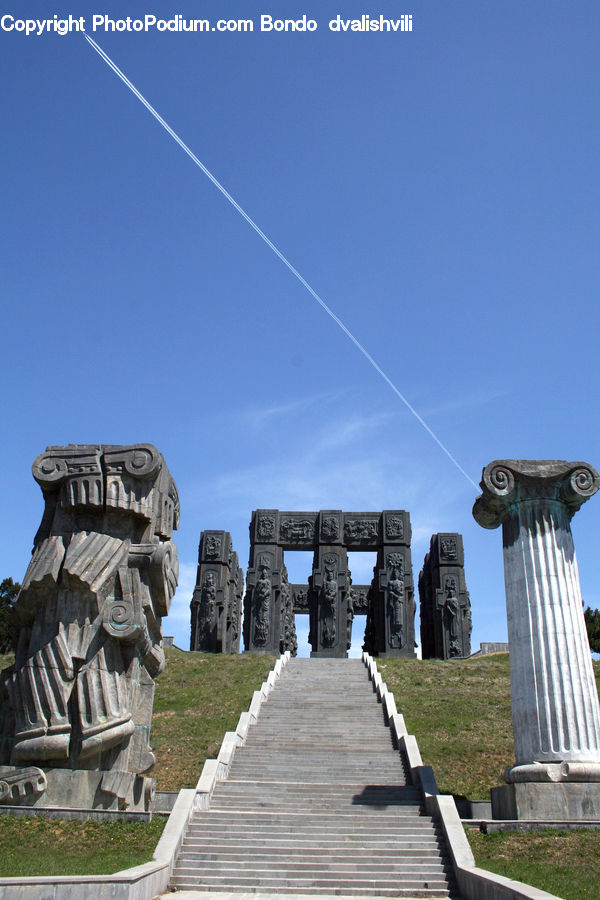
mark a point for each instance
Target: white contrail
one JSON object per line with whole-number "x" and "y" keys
{"x": 275, "y": 250}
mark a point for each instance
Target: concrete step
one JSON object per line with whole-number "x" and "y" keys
{"x": 307, "y": 828}
{"x": 188, "y": 878}
{"x": 326, "y": 893}
{"x": 309, "y": 823}
{"x": 333, "y": 843}
{"x": 305, "y": 833}
{"x": 202, "y": 864}
{"x": 278, "y": 850}
{"x": 294, "y": 869}
{"x": 346, "y": 794}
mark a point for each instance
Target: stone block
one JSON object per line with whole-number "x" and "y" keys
{"x": 565, "y": 801}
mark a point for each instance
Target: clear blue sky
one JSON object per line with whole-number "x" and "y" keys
{"x": 439, "y": 189}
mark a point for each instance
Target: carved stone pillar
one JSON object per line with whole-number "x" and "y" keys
{"x": 262, "y": 601}
{"x": 328, "y": 588}
{"x": 215, "y": 606}
{"x": 78, "y": 699}
{"x": 556, "y": 716}
{"x": 234, "y": 605}
{"x": 445, "y": 607}
{"x": 392, "y": 605}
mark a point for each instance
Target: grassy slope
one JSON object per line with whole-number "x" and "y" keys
{"x": 198, "y": 698}
{"x": 566, "y": 863}
{"x": 34, "y": 846}
{"x": 459, "y": 711}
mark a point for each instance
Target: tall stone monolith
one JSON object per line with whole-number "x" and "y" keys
{"x": 556, "y": 715}
{"x": 78, "y": 701}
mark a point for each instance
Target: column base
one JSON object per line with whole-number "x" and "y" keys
{"x": 330, "y": 653}
{"x": 553, "y": 772}
{"x": 75, "y": 789}
{"x": 566, "y": 801}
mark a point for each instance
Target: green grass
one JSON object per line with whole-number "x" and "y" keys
{"x": 564, "y": 863}
{"x": 198, "y": 698}
{"x": 31, "y": 845}
{"x": 460, "y": 714}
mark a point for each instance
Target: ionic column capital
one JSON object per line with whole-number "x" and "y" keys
{"x": 505, "y": 483}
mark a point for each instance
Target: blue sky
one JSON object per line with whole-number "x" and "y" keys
{"x": 439, "y": 189}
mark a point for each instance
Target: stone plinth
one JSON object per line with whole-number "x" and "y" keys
{"x": 77, "y": 703}
{"x": 566, "y": 801}
{"x": 556, "y": 715}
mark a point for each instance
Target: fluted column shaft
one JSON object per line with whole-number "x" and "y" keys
{"x": 556, "y": 715}
{"x": 554, "y": 699}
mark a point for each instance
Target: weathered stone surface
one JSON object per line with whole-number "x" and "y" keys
{"x": 390, "y": 629}
{"x": 329, "y": 589}
{"x": 216, "y": 606}
{"x": 556, "y": 716}
{"x": 551, "y": 802}
{"x": 330, "y": 598}
{"x": 445, "y": 606}
{"x": 263, "y": 618}
{"x": 102, "y": 574}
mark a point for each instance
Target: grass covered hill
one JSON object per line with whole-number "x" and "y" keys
{"x": 459, "y": 712}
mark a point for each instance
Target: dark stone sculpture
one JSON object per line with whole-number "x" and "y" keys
{"x": 216, "y": 603}
{"x": 445, "y": 605}
{"x": 78, "y": 700}
{"x": 328, "y": 605}
{"x": 330, "y": 598}
{"x": 390, "y": 629}
{"x": 288, "y": 640}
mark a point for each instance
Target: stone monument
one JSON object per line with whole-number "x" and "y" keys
{"x": 330, "y": 598}
{"x": 390, "y": 627}
{"x": 77, "y": 703}
{"x": 216, "y": 605}
{"x": 445, "y": 606}
{"x": 556, "y": 715}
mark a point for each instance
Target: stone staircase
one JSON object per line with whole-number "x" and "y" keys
{"x": 317, "y": 801}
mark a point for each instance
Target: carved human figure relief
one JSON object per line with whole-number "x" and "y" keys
{"x": 329, "y": 596}
{"x": 394, "y": 528}
{"x": 208, "y": 603}
{"x": 263, "y": 591}
{"x": 330, "y": 529}
{"x": 266, "y": 527}
{"x": 449, "y": 548}
{"x": 213, "y": 546}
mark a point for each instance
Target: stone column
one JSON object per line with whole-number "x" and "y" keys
{"x": 445, "y": 606}
{"x": 328, "y": 589}
{"x": 215, "y": 606}
{"x": 77, "y": 703}
{"x": 556, "y": 716}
